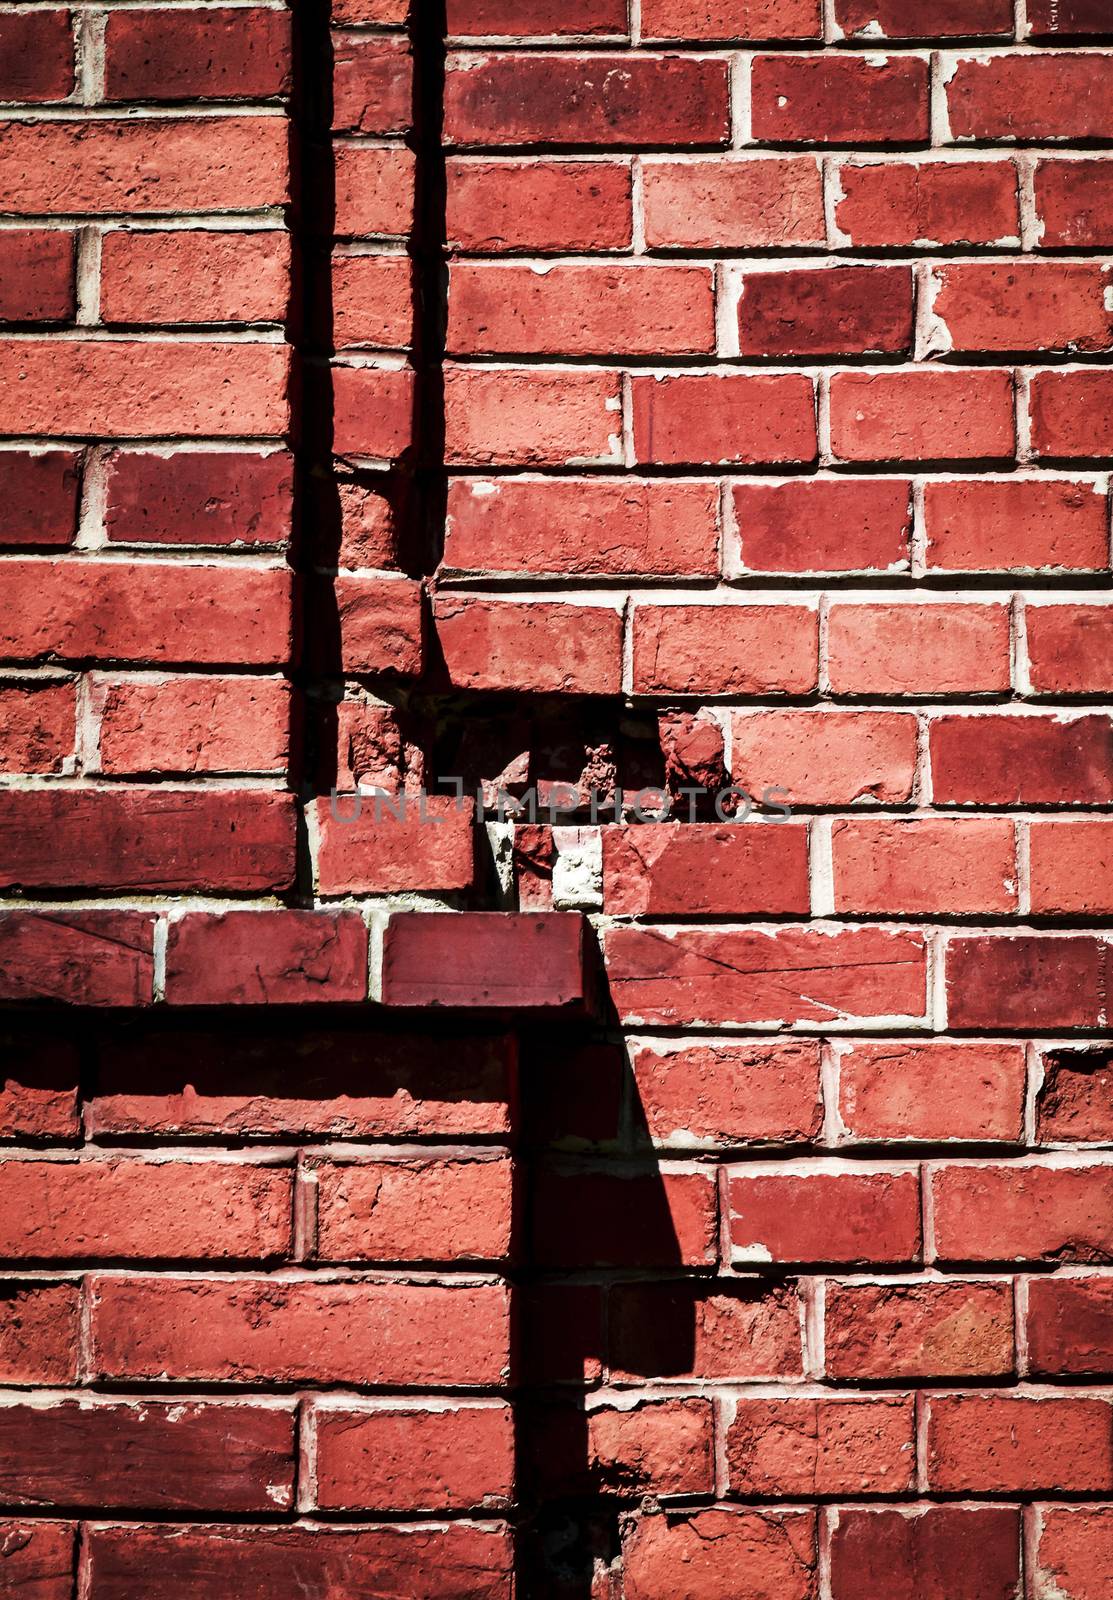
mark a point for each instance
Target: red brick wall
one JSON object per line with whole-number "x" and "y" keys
{"x": 567, "y": 399}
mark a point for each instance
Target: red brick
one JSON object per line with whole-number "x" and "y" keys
{"x": 37, "y": 282}
{"x": 736, "y": 649}
{"x": 932, "y": 1092}
{"x": 36, "y": 55}
{"x": 374, "y": 409}
{"x": 92, "y": 958}
{"x": 1024, "y": 1213}
{"x": 840, "y": 99}
{"x": 192, "y": 724}
{"x": 721, "y": 1554}
{"x": 370, "y": 1331}
{"x": 730, "y": 19}
{"x": 229, "y": 1458}
{"x": 266, "y": 957}
{"x": 1072, "y": 414}
{"x": 145, "y": 839}
{"x": 720, "y": 419}
{"x": 38, "y": 1094}
{"x": 936, "y": 649}
{"x": 372, "y": 84}
{"x": 484, "y": 959}
{"x": 928, "y": 867}
{"x": 414, "y": 1210}
{"x": 717, "y": 203}
{"x": 842, "y": 1214}
{"x": 37, "y": 725}
{"x": 904, "y": 1332}
{"x": 1053, "y": 19}
{"x": 1006, "y": 525}
{"x": 825, "y": 311}
{"x": 818, "y": 758}
{"x": 801, "y": 1447}
{"x": 741, "y": 1328}
{"x": 582, "y": 526}
{"x": 1022, "y": 760}
{"x": 379, "y": 621}
{"x": 1070, "y": 1326}
{"x": 369, "y": 514}
{"x": 1074, "y": 204}
{"x": 824, "y": 525}
{"x": 152, "y": 164}
{"x": 868, "y": 20}
{"x": 143, "y": 389}
{"x": 39, "y": 492}
{"x": 1037, "y": 306}
{"x": 123, "y": 1208}
{"x": 39, "y": 1332}
{"x": 431, "y": 846}
{"x": 209, "y": 497}
{"x": 372, "y": 301}
{"x": 1075, "y": 1097}
{"x": 610, "y": 100}
{"x": 1031, "y": 97}
{"x": 663, "y": 1446}
{"x": 521, "y": 203}
{"x": 161, "y": 277}
{"x": 1072, "y": 868}
{"x": 1074, "y": 1551}
{"x": 671, "y": 868}
{"x": 405, "y": 1458}
{"x": 926, "y": 1553}
{"x": 922, "y": 415}
{"x": 480, "y": 19}
{"x": 532, "y": 646}
{"x": 1028, "y": 981}
{"x": 519, "y": 417}
{"x": 1018, "y": 1443}
{"x": 39, "y": 1557}
{"x": 210, "y": 54}
{"x": 910, "y": 204}
{"x": 624, "y": 1218}
{"x": 729, "y": 1093}
{"x": 374, "y": 190}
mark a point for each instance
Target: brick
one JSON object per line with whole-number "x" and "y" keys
{"x": 36, "y": 55}
{"x": 414, "y": 1210}
{"x": 582, "y": 526}
{"x": 802, "y": 1446}
{"x": 839, "y": 99}
{"x": 518, "y": 417}
{"x": 480, "y": 19}
{"x": 1074, "y": 202}
{"x": 207, "y": 1563}
{"x": 37, "y": 725}
{"x": 824, "y": 525}
{"x": 1075, "y": 1098}
{"x": 39, "y": 1558}
{"x": 183, "y": 1457}
{"x": 1070, "y": 1326}
{"x": 532, "y": 646}
{"x": 92, "y": 958}
{"x": 733, "y": 418}
{"x": 912, "y": 204}
{"x": 666, "y": 1446}
{"x": 938, "y": 649}
{"x": 677, "y": 869}
{"x": 1024, "y": 1213}
{"x": 372, "y": 301}
{"x": 1018, "y": 1443}
{"x": 266, "y": 957}
{"x": 522, "y": 203}
{"x": 825, "y": 311}
{"x": 39, "y": 491}
{"x": 926, "y": 1553}
{"x": 366, "y": 847}
{"x": 572, "y": 1092}
{"x": 1028, "y": 982}
{"x": 906, "y": 1332}
{"x": 978, "y": 525}
{"x": 145, "y": 839}
{"x": 374, "y": 411}
{"x": 922, "y": 415}
{"x": 38, "y": 1097}
{"x": 406, "y": 1458}
{"x": 127, "y": 1207}
{"x": 1033, "y": 760}
{"x": 484, "y": 960}
{"x": 1036, "y": 306}
{"x": 379, "y": 622}
{"x": 623, "y": 1218}
{"x": 1079, "y": 18}
{"x": 933, "y": 1092}
{"x": 928, "y": 867}
{"x": 369, "y": 1331}
{"x": 161, "y": 277}
{"x": 721, "y": 1554}
{"x": 37, "y": 282}
{"x": 143, "y": 389}
{"x": 372, "y": 84}
{"x": 1071, "y": 867}
{"x": 817, "y": 758}
{"x": 562, "y": 1332}
{"x": 374, "y": 190}
{"x": 215, "y": 54}
{"x": 152, "y": 165}
{"x": 867, "y": 20}
{"x": 605, "y": 100}
{"x": 1071, "y": 414}
{"x": 369, "y": 511}
{"x": 730, "y": 19}
{"x": 1074, "y": 1550}
{"x": 209, "y": 497}
{"x": 728, "y": 1093}
{"x": 843, "y": 1214}
{"x": 724, "y": 1328}
{"x": 192, "y": 724}
{"x": 1030, "y": 98}
{"x": 716, "y": 203}
{"x": 736, "y": 649}
{"x": 39, "y": 1332}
